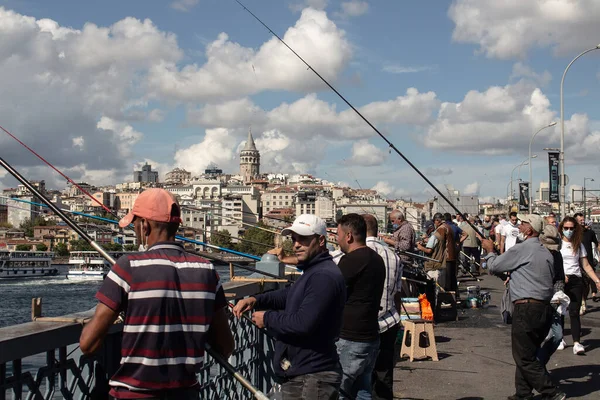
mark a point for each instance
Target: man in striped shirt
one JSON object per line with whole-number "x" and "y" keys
{"x": 173, "y": 302}
{"x": 389, "y": 319}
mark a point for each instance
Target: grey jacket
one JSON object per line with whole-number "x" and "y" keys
{"x": 531, "y": 268}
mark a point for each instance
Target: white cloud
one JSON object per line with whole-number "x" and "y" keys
{"x": 83, "y": 79}
{"x": 310, "y": 116}
{"x": 232, "y": 70}
{"x": 366, "y": 154}
{"x": 438, "y": 171}
{"x": 156, "y": 115}
{"x": 472, "y": 188}
{"x": 399, "y": 69}
{"x": 510, "y": 29}
{"x": 316, "y": 4}
{"x": 184, "y": 5}
{"x": 383, "y": 188}
{"x": 353, "y": 8}
{"x": 217, "y": 147}
{"x": 521, "y": 70}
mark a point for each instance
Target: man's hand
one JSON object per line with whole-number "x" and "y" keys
{"x": 276, "y": 251}
{"x": 258, "y": 317}
{"x": 487, "y": 245}
{"x": 420, "y": 247}
{"x": 244, "y": 305}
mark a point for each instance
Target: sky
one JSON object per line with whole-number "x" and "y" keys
{"x": 459, "y": 87}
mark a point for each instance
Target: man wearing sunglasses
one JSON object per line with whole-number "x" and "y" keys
{"x": 531, "y": 268}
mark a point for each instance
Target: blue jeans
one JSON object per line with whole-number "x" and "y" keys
{"x": 553, "y": 339}
{"x": 322, "y": 385}
{"x": 358, "y": 360}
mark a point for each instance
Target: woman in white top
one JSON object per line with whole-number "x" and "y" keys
{"x": 574, "y": 260}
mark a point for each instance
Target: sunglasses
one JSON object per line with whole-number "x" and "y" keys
{"x": 569, "y": 228}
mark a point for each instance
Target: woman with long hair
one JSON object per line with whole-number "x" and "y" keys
{"x": 574, "y": 260}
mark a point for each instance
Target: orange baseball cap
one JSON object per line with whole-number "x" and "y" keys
{"x": 153, "y": 204}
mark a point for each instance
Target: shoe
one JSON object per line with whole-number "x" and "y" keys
{"x": 578, "y": 349}
{"x": 596, "y": 299}
{"x": 517, "y": 397}
{"x": 562, "y": 345}
{"x": 582, "y": 309}
{"x": 556, "y": 396}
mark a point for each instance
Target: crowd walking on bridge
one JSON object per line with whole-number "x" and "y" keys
{"x": 336, "y": 326}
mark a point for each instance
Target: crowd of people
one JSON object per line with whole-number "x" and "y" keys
{"x": 336, "y": 326}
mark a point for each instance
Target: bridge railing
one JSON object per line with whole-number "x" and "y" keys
{"x": 42, "y": 360}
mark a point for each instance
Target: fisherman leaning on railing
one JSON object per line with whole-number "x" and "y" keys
{"x": 173, "y": 303}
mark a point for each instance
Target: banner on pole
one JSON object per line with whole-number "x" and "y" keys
{"x": 553, "y": 162}
{"x": 523, "y": 196}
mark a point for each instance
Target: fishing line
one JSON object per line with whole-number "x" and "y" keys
{"x": 381, "y": 135}
{"x": 57, "y": 170}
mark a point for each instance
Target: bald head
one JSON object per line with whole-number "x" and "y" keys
{"x": 371, "y": 222}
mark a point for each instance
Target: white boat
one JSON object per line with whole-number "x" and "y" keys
{"x": 26, "y": 264}
{"x": 89, "y": 265}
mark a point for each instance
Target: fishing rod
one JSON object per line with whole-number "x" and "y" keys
{"x": 381, "y": 135}
{"x": 220, "y": 359}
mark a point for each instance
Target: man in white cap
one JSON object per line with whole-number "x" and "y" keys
{"x": 306, "y": 317}
{"x": 531, "y": 268}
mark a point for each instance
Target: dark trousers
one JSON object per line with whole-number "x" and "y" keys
{"x": 450, "y": 281}
{"x": 574, "y": 289}
{"x": 323, "y": 385}
{"x": 530, "y": 325}
{"x": 383, "y": 374}
{"x": 588, "y": 285}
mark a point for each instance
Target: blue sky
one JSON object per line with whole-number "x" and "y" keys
{"x": 373, "y": 52}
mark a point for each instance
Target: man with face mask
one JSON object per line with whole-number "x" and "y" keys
{"x": 531, "y": 268}
{"x": 403, "y": 238}
{"x": 173, "y": 303}
{"x": 306, "y": 317}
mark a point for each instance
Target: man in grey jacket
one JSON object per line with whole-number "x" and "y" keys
{"x": 531, "y": 268}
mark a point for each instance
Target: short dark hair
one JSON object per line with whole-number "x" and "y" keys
{"x": 356, "y": 224}
{"x": 578, "y": 215}
{"x": 371, "y": 222}
{"x": 447, "y": 217}
{"x": 513, "y": 214}
{"x": 438, "y": 216}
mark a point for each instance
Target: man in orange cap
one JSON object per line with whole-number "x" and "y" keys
{"x": 173, "y": 303}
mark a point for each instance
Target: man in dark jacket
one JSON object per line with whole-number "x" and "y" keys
{"x": 306, "y": 317}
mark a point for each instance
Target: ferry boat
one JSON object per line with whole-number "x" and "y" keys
{"x": 89, "y": 265}
{"x": 26, "y": 264}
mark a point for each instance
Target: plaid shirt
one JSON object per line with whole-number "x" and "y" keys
{"x": 405, "y": 240}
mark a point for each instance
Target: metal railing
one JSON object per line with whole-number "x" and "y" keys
{"x": 41, "y": 360}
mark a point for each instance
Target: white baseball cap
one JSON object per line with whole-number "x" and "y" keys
{"x": 536, "y": 221}
{"x": 307, "y": 225}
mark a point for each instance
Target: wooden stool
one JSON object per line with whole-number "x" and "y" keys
{"x": 413, "y": 329}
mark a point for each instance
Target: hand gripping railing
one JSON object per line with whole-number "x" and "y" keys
{"x": 224, "y": 363}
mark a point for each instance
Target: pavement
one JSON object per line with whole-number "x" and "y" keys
{"x": 475, "y": 358}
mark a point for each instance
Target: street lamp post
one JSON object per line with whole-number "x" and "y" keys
{"x": 561, "y": 157}
{"x": 585, "y": 197}
{"x": 507, "y": 186}
{"x": 530, "y": 173}
{"x": 511, "y": 177}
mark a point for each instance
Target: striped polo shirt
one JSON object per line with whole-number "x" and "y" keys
{"x": 169, "y": 297}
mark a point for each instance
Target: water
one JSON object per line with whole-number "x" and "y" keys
{"x": 60, "y": 296}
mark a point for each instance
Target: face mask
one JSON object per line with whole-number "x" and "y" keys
{"x": 395, "y": 226}
{"x": 521, "y": 236}
{"x": 143, "y": 246}
{"x": 567, "y": 234}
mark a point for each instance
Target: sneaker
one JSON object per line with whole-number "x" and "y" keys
{"x": 562, "y": 345}
{"x": 556, "y": 396}
{"x": 582, "y": 309}
{"x": 578, "y": 349}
